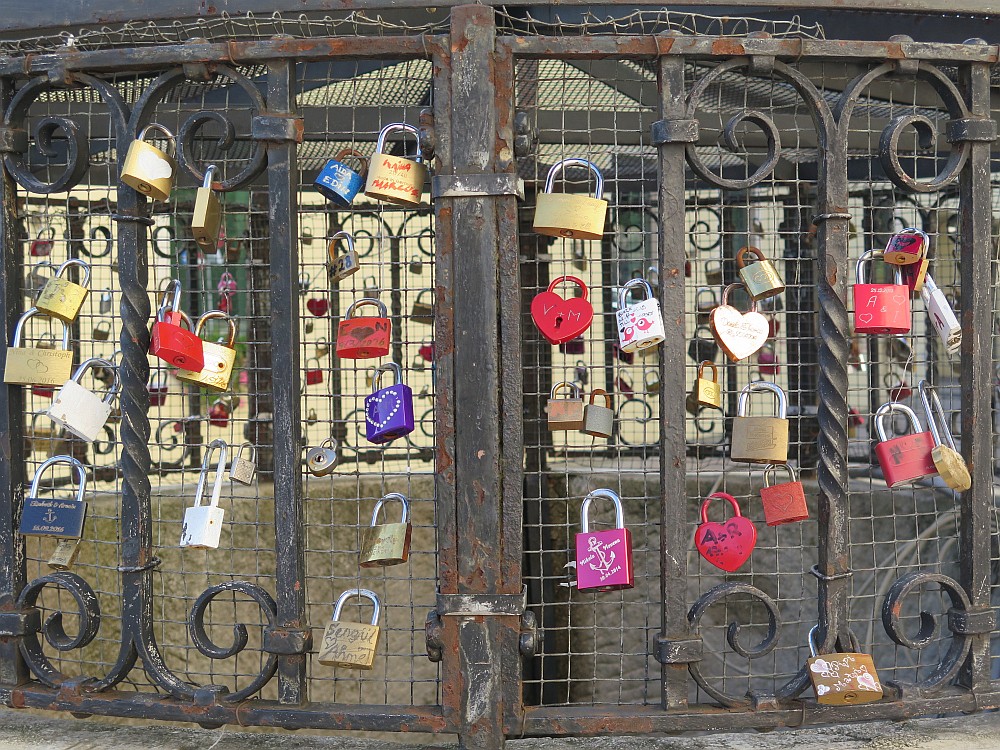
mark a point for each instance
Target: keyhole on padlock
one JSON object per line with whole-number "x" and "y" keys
{"x": 559, "y": 320}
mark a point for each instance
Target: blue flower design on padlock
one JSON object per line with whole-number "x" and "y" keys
{"x": 388, "y": 411}
{"x": 338, "y": 182}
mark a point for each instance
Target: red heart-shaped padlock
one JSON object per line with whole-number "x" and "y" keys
{"x": 726, "y": 545}
{"x": 558, "y": 319}
{"x": 318, "y": 306}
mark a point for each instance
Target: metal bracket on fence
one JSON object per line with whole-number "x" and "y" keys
{"x": 824, "y": 577}
{"x": 469, "y": 185}
{"x": 287, "y": 641}
{"x": 20, "y": 623}
{"x": 277, "y": 128}
{"x": 147, "y": 221}
{"x": 971, "y": 621}
{"x": 981, "y": 129}
{"x": 904, "y": 66}
{"x": 477, "y": 605}
{"x": 675, "y": 131}
{"x": 681, "y": 651}
{"x": 13, "y": 140}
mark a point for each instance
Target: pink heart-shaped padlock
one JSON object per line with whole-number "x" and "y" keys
{"x": 726, "y": 545}
{"x": 558, "y": 319}
{"x": 318, "y": 306}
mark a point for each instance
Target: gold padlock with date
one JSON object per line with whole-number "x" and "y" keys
{"x": 60, "y": 297}
{"x": 149, "y": 169}
{"x": 37, "y": 366}
{"x": 387, "y": 543}
{"x": 351, "y": 644}
{"x": 207, "y": 213}
{"x": 219, "y": 358}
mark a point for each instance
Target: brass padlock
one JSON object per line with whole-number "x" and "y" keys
{"x": 61, "y": 298}
{"x": 947, "y": 460}
{"x": 387, "y": 543}
{"x": 599, "y": 421}
{"x": 219, "y": 358}
{"x": 102, "y": 331}
{"x": 422, "y": 312}
{"x": 207, "y": 216}
{"x": 148, "y": 169}
{"x": 760, "y": 440}
{"x": 322, "y": 347}
{"x": 342, "y": 266}
{"x": 708, "y": 392}
{"x": 395, "y": 179}
{"x": 242, "y": 470}
{"x": 579, "y": 217}
{"x": 565, "y": 413}
{"x": 652, "y": 380}
{"x": 32, "y": 366}
{"x": 351, "y": 644}
{"x": 64, "y": 555}
{"x": 761, "y": 278}
{"x": 323, "y": 459}
{"x": 842, "y": 679}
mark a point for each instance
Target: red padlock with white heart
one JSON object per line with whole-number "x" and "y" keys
{"x": 726, "y": 545}
{"x": 880, "y": 308}
{"x": 559, "y": 319}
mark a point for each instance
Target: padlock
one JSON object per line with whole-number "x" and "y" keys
{"x": 308, "y": 325}
{"x": 305, "y": 282}
{"x": 579, "y": 257}
{"x": 621, "y": 355}
{"x": 739, "y": 334}
{"x": 580, "y": 372}
{"x": 942, "y": 317}
{"x": 158, "y": 388}
{"x": 371, "y": 288}
{"x": 148, "y": 169}
{"x": 880, "y": 308}
{"x": 219, "y": 413}
{"x": 603, "y": 558}
{"x": 713, "y": 272}
{"x": 395, "y": 179}
{"x": 427, "y": 352}
{"x": 364, "y": 338}
{"x": 203, "y": 523}
{"x": 322, "y": 347}
{"x": 416, "y": 264}
{"x": 102, "y": 331}
{"x": 64, "y": 555}
{"x": 725, "y": 545}
{"x": 914, "y": 275}
{"x": 171, "y": 343}
{"x": 705, "y": 300}
{"x": 61, "y": 298}
{"x": 907, "y": 458}
{"x": 35, "y": 280}
{"x": 842, "y": 679}
{"x": 242, "y": 470}
{"x": 703, "y": 348}
{"x": 311, "y": 417}
{"x": 573, "y": 346}
{"x": 761, "y": 277}
{"x": 207, "y": 216}
{"x": 579, "y": 217}
{"x": 80, "y": 410}
{"x": 389, "y": 410}
{"x": 899, "y": 389}
{"x": 42, "y": 245}
{"x": 219, "y": 358}
{"x": 314, "y": 375}
{"x": 44, "y": 391}
{"x": 707, "y": 392}
{"x": 565, "y": 413}
{"x": 906, "y": 247}
{"x": 422, "y": 312}
{"x": 652, "y": 381}
{"x": 323, "y": 459}
{"x": 599, "y": 421}
{"x": 760, "y": 440}
{"x": 559, "y": 320}
{"x": 784, "y": 502}
{"x": 37, "y": 366}
{"x": 53, "y": 516}
{"x": 338, "y": 182}
{"x": 342, "y": 266}
{"x": 40, "y": 438}
{"x": 624, "y": 385}
{"x": 947, "y": 460}
{"x": 417, "y": 363}
{"x": 640, "y": 326}
{"x": 106, "y": 302}
{"x": 387, "y": 543}
{"x": 350, "y": 644}
{"x": 767, "y": 361}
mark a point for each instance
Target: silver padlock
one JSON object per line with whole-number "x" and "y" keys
{"x": 342, "y": 266}
{"x": 942, "y": 317}
{"x": 371, "y": 287}
{"x": 202, "y": 527}
{"x": 79, "y": 410}
{"x": 242, "y": 470}
{"x": 598, "y": 420}
{"x": 323, "y": 459}
{"x": 640, "y": 326}
{"x": 106, "y": 302}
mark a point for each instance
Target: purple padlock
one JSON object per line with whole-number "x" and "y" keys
{"x": 388, "y": 411}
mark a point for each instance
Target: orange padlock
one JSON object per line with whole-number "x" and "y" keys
{"x": 785, "y": 502}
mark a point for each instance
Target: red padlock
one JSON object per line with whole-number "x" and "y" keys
{"x": 624, "y": 386}
{"x": 314, "y": 375}
{"x": 226, "y": 287}
{"x": 171, "y": 343}
{"x": 427, "y": 352}
{"x": 880, "y": 308}
{"x": 42, "y": 246}
{"x": 726, "y": 545}
{"x": 899, "y": 389}
{"x": 157, "y": 388}
{"x": 603, "y": 558}
{"x": 785, "y": 502}
{"x": 906, "y": 458}
{"x": 44, "y": 391}
{"x": 907, "y": 247}
{"x": 364, "y": 338}
{"x": 573, "y": 346}
{"x": 558, "y": 319}
{"x": 218, "y": 414}
{"x": 767, "y": 361}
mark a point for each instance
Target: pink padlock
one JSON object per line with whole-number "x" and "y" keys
{"x": 906, "y": 458}
{"x": 603, "y": 558}
{"x": 880, "y": 308}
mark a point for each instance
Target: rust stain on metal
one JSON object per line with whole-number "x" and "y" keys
{"x": 727, "y": 47}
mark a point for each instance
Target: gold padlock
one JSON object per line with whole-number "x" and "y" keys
{"x": 842, "y": 679}
{"x": 60, "y": 297}
{"x": 31, "y": 366}
{"x": 219, "y": 358}
{"x": 652, "y": 380}
{"x": 708, "y": 392}
{"x": 947, "y": 460}
{"x": 207, "y": 213}
{"x": 395, "y": 179}
{"x": 64, "y": 555}
{"x": 148, "y": 169}
{"x": 580, "y": 217}
{"x": 760, "y": 440}
{"x": 387, "y": 543}
{"x": 565, "y": 413}
{"x": 760, "y": 278}
{"x": 351, "y": 644}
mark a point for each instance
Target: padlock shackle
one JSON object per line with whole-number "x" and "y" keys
{"x": 560, "y": 166}
{"x": 715, "y": 370}
{"x": 628, "y": 286}
{"x": 156, "y": 126}
{"x": 358, "y": 594}
{"x": 574, "y": 389}
{"x": 758, "y": 386}
{"x": 741, "y": 259}
{"x": 95, "y": 362}
{"x": 389, "y": 498}
{"x": 400, "y": 127}
{"x": 175, "y": 304}
{"x": 332, "y": 245}
{"x": 366, "y": 302}
{"x": 46, "y": 228}
{"x": 607, "y": 397}
{"x": 395, "y": 369}
{"x": 769, "y": 472}
{"x": 934, "y": 411}
{"x": 206, "y": 465}
{"x": 888, "y": 408}
{"x": 331, "y": 441}
{"x": 79, "y": 470}
{"x": 31, "y": 312}
{"x": 76, "y": 262}
{"x": 349, "y": 153}
{"x": 210, "y": 171}
{"x": 157, "y": 379}
{"x": 812, "y": 640}
{"x": 722, "y": 496}
{"x": 217, "y": 315}
{"x": 871, "y": 255}
{"x": 305, "y": 279}
{"x": 728, "y": 289}
{"x": 702, "y": 291}
{"x": 607, "y": 495}
{"x": 560, "y": 279}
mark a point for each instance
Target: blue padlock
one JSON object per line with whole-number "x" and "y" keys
{"x": 51, "y": 516}
{"x": 339, "y": 182}
{"x": 388, "y": 411}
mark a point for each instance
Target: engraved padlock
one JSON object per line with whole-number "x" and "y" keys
{"x": 351, "y": 644}
{"x": 323, "y": 459}
{"x": 740, "y": 334}
{"x": 43, "y": 243}
{"x": 640, "y": 326}
{"x": 703, "y": 348}
{"x": 57, "y": 517}
{"x": 387, "y": 543}
{"x": 725, "y": 545}
{"x": 760, "y": 278}
{"x": 389, "y": 410}
{"x": 947, "y": 460}
{"x": 207, "y": 216}
{"x": 906, "y": 458}
{"x": 364, "y": 338}
{"x": 64, "y": 555}
{"x": 102, "y": 331}
{"x": 79, "y": 410}
{"x": 760, "y": 440}
{"x": 784, "y": 502}
{"x": 707, "y": 392}
{"x": 158, "y": 388}
{"x": 598, "y": 420}
{"x": 565, "y": 413}
{"x": 560, "y": 319}
{"x": 202, "y": 527}
{"x": 242, "y": 470}
{"x": 61, "y": 298}
{"x": 338, "y": 182}
{"x": 842, "y": 679}
{"x": 603, "y": 558}
{"x": 37, "y": 366}
{"x": 942, "y": 317}
{"x": 219, "y": 358}
{"x": 422, "y": 311}
{"x": 906, "y": 247}
{"x": 148, "y": 169}
{"x": 880, "y": 308}
{"x": 571, "y": 215}
{"x": 395, "y": 179}
{"x": 344, "y": 264}
{"x": 168, "y": 341}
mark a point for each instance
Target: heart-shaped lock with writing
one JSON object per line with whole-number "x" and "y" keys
{"x": 947, "y": 460}
{"x": 842, "y": 679}
{"x": 640, "y": 326}
{"x": 784, "y": 502}
{"x": 880, "y": 308}
{"x": 364, "y": 337}
{"x": 323, "y": 459}
{"x": 906, "y": 458}
{"x": 603, "y": 558}
{"x": 389, "y": 410}
{"x": 739, "y": 334}
{"x": 725, "y": 545}
{"x": 559, "y": 319}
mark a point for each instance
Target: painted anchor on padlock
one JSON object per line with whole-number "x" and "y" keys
{"x": 603, "y": 558}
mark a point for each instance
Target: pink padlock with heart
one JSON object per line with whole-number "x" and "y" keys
{"x": 880, "y": 308}
{"x": 726, "y": 545}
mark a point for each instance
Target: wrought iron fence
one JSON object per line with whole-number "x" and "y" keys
{"x": 712, "y": 134}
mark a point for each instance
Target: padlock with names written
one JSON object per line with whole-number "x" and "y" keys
{"x": 389, "y": 410}
{"x": 942, "y": 317}
{"x": 64, "y": 555}
{"x": 603, "y": 558}
{"x": 219, "y": 358}
{"x": 202, "y": 527}
{"x": 149, "y": 169}
{"x": 323, "y": 459}
{"x": 565, "y": 413}
{"x": 640, "y": 326}
{"x": 947, "y": 460}
{"x": 387, "y": 543}
{"x": 61, "y": 298}
{"x": 760, "y": 440}
{"x": 784, "y": 502}
{"x": 207, "y": 216}
{"x": 570, "y": 215}
{"x": 739, "y": 334}
{"x": 561, "y": 319}
{"x": 842, "y": 679}
{"x": 37, "y": 366}
{"x": 364, "y": 337}
{"x": 171, "y": 343}
{"x": 80, "y": 410}
{"x": 54, "y": 516}
{"x": 350, "y": 644}
{"x": 241, "y": 469}
{"x": 761, "y": 277}
{"x": 396, "y": 179}
{"x": 598, "y": 420}
{"x": 906, "y": 247}
{"x": 907, "y": 458}
{"x": 725, "y": 545}
{"x": 339, "y": 183}
{"x": 880, "y": 308}
{"x": 344, "y": 264}
{"x": 422, "y": 311}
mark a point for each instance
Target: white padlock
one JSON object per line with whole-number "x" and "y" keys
{"x": 203, "y": 523}
{"x": 79, "y": 410}
{"x": 942, "y": 317}
{"x": 640, "y": 326}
